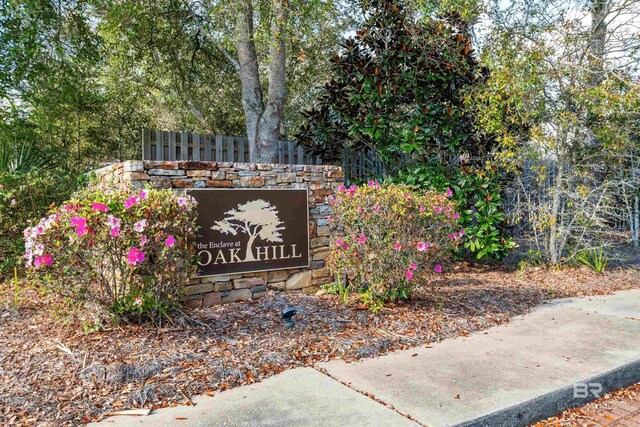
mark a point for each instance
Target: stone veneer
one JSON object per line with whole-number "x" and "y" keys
{"x": 321, "y": 181}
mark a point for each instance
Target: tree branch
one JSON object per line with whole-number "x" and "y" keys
{"x": 234, "y": 63}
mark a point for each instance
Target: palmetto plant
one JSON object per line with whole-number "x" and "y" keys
{"x": 20, "y": 155}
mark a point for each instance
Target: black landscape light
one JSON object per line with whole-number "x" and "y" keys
{"x": 287, "y": 316}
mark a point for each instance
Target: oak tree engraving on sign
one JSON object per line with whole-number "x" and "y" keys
{"x": 256, "y": 219}
{"x": 249, "y": 230}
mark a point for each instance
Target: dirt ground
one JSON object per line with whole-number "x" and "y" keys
{"x": 54, "y": 373}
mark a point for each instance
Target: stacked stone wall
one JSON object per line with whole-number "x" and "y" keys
{"x": 320, "y": 181}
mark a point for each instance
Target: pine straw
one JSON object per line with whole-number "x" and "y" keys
{"x": 51, "y": 373}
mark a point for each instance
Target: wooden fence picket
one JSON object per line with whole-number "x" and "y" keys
{"x": 165, "y": 145}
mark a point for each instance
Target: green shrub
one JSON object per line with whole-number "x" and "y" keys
{"x": 394, "y": 239}
{"x": 128, "y": 252}
{"x": 397, "y": 86}
{"x": 479, "y": 203}
{"x": 24, "y": 198}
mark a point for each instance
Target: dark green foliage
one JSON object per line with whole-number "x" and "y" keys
{"x": 87, "y": 76}
{"x": 477, "y": 192}
{"x": 397, "y": 88}
{"x": 32, "y": 178}
{"x": 21, "y": 149}
{"x": 24, "y": 199}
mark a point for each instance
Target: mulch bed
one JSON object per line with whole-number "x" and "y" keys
{"x": 52, "y": 373}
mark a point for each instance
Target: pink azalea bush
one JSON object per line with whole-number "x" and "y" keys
{"x": 129, "y": 251}
{"x": 393, "y": 239}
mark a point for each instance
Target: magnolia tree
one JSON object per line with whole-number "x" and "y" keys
{"x": 397, "y": 88}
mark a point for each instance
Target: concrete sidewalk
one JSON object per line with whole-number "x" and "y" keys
{"x": 510, "y": 375}
{"x": 298, "y": 397}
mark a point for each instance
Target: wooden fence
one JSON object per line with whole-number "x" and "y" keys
{"x": 163, "y": 145}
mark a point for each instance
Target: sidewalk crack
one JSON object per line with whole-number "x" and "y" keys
{"x": 369, "y": 395}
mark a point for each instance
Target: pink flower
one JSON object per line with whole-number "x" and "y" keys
{"x": 422, "y": 246}
{"x": 438, "y": 268}
{"x": 184, "y": 203}
{"x": 342, "y": 188}
{"x": 409, "y": 274}
{"x": 38, "y": 249}
{"x": 397, "y": 246}
{"x": 331, "y": 199}
{"x": 376, "y": 208}
{"x": 115, "y": 231}
{"x": 362, "y": 240}
{"x": 456, "y": 215}
{"x": 453, "y": 236}
{"x": 462, "y": 232}
{"x": 341, "y": 243}
{"x": 82, "y": 231}
{"x": 170, "y": 241}
{"x": 43, "y": 260}
{"x": 135, "y": 256}
{"x": 112, "y": 221}
{"x": 373, "y": 184}
{"x": 99, "y": 207}
{"x": 360, "y": 209}
{"x": 143, "y": 240}
{"x": 422, "y": 209}
{"x": 130, "y": 202}
{"x": 140, "y": 225}
{"x": 143, "y": 194}
{"x": 413, "y": 266}
{"x": 449, "y": 193}
{"x": 437, "y": 209}
{"x": 14, "y": 202}
{"x": 78, "y": 221}
{"x": 48, "y": 260}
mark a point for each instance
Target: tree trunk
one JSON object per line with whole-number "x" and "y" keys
{"x": 636, "y": 221}
{"x": 555, "y": 252}
{"x": 599, "y": 10}
{"x": 262, "y": 121}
